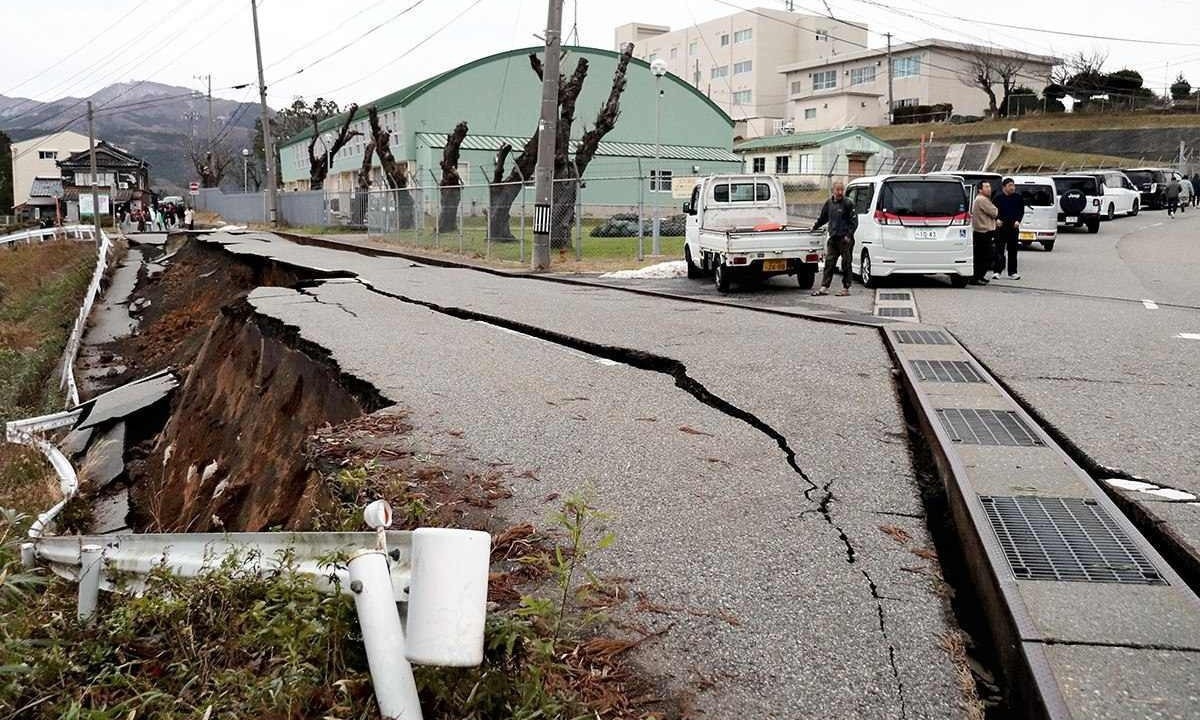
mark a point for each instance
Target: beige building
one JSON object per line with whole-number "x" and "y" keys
{"x": 852, "y": 90}
{"x": 38, "y": 157}
{"x": 735, "y": 60}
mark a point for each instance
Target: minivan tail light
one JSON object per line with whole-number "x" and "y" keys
{"x": 961, "y": 219}
{"x": 886, "y": 218}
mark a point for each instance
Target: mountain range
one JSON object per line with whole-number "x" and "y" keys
{"x": 157, "y": 123}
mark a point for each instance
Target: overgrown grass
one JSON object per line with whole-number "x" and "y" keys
{"x": 1048, "y": 122}
{"x": 1021, "y": 158}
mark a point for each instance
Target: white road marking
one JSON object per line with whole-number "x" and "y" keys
{"x": 1171, "y": 494}
{"x": 1150, "y": 304}
{"x": 1150, "y": 489}
{"x": 570, "y": 351}
{"x": 1189, "y": 336}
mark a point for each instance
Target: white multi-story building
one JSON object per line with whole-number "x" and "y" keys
{"x": 38, "y": 157}
{"x": 735, "y": 60}
{"x": 852, "y": 89}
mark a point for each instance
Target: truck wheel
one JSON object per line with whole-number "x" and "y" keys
{"x": 721, "y": 275}
{"x": 1048, "y": 245}
{"x": 693, "y": 272}
{"x": 1093, "y": 226}
{"x": 1112, "y": 211}
{"x": 864, "y": 271}
{"x": 806, "y": 276}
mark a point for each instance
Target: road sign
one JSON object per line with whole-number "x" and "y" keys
{"x": 193, "y": 188}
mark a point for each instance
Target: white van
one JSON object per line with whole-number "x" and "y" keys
{"x": 912, "y": 225}
{"x": 1041, "y": 211}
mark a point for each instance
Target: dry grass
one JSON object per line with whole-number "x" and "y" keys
{"x": 1020, "y": 158}
{"x": 1040, "y": 123}
{"x": 955, "y": 646}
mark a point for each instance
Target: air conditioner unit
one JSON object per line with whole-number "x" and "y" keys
{"x": 788, "y": 128}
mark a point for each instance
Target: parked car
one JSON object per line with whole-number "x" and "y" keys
{"x": 973, "y": 180}
{"x": 1079, "y": 199}
{"x": 1152, "y": 184}
{"x": 1121, "y": 197}
{"x": 1040, "y": 223}
{"x": 737, "y": 230}
{"x": 912, "y": 225}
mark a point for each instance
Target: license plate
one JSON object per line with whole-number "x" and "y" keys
{"x": 774, "y": 265}
{"x": 1070, "y": 219}
{"x": 1027, "y": 236}
{"x": 925, "y": 234}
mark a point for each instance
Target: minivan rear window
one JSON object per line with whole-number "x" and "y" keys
{"x": 923, "y": 198}
{"x": 1036, "y": 195}
{"x": 1144, "y": 177}
{"x": 741, "y": 192}
{"x": 1085, "y": 185}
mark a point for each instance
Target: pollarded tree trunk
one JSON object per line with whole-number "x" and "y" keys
{"x": 318, "y": 166}
{"x": 451, "y": 185}
{"x": 562, "y": 212}
{"x": 395, "y": 172}
{"x": 503, "y": 191}
{"x": 364, "y": 185}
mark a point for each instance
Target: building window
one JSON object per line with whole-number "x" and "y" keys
{"x": 806, "y": 165}
{"x": 651, "y": 57}
{"x": 674, "y": 53}
{"x": 797, "y": 87}
{"x": 810, "y": 113}
{"x": 47, "y": 154}
{"x": 660, "y": 180}
{"x": 742, "y": 97}
{"x": 862, "y": 75}
{"x": 742, "y": 36}
{"x": 759, "y": 164}
{"x": 692, "y": 48}
{"x": 720, "y": 71}
{"x": 822, "y": 36}
{"x": 781, "y": 164}
{"x": 724, "y": 39}
{"x": 744, "y": 66}
{"x": 906, "y": 66}
{"x": 824, "y": 80}
{"x": 906, "y": 102}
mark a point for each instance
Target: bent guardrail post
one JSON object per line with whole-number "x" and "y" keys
{"x": 91, "y": 559}
{"x": 383, "y": 636}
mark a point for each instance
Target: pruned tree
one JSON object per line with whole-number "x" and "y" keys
{"x": 451, "y": 184}
{"x": 364, "y": 185}
{"x": 568, "y": 170}
{"x": 1181, "y": 89}
{"x": 318, "y": 166}
{"x": 395, "y": 173}
{"x": 1082, "y": 76}
{"x": 987, "y": 68}
{"x": 210, "y": 165}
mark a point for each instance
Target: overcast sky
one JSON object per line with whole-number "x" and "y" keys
{"x": 172, "y": 41}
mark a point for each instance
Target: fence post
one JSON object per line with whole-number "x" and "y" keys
{"x": 437, "y": 210}
{"x": 383, "y": 636}
{"x": 461, "y": 237}
{"x": 641, "y": 250}
{"x": 90, "y": 559}
{"x": 522, "y": 251}
{"x": 578, "y": 214}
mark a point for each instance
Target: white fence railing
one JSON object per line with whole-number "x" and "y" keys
{"x": 41, "y": 235}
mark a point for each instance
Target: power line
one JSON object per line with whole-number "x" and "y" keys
{"x": 325, "y": 33}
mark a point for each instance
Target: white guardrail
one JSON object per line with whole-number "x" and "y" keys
{"x": 439, "y": 575}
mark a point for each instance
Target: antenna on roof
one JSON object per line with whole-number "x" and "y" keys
{"x": 789, "y": 5}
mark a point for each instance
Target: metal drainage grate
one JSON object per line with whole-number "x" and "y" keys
{"x": 922, "y": 337}
{"x": 895, "y": 312}
{"x": 954, "y": 371}
{"x": 895, "y": 296}
{"x": 987, "y": 427}
{"x": 1066, "y": 539}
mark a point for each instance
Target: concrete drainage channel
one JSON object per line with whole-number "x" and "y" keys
{"x": 1088, "y": 619}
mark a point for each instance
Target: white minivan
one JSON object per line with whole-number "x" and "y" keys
{"x": 912, "y": 225}
{"x": 1040, "y": 223}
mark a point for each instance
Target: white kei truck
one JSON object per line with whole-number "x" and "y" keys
{"x": 737, "y": 231}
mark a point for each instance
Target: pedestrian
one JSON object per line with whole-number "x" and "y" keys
{"x": 140, "y": 213}
{"x": 842, "y": 217}
{"x": 1010, "y": 208}
{"x": 1195, "y": 189}
{"x": 983, "y": 223}
{"x": 189, "y": 219}
{"x": 1174, "y": 188}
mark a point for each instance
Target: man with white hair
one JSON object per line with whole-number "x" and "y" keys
{"x": 839, "y": 212}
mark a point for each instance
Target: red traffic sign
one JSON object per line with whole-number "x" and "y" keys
{"x": 193, "y": 188}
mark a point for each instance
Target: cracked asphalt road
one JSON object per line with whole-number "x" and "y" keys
{"x": 822, "y": 614}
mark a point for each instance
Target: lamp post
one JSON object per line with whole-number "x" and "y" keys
{"x": 658, "y": 68}
{"x": 245, "y": 170}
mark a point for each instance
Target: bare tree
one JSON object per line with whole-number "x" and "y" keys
{"x": 451, "y": 185}
{"x": 394, "y": 173}
{"x": 364, "y": 185}
{"x": 987, "y": 68}
{"x": 318, "y": 166}
{"x": 211, "y": 165}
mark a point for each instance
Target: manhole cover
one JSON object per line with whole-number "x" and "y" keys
{"x": 894, "y": 296}
{"x": 922, "y": 337}
{"x": 1066, "y": 539}
{"x": 895, "y": 312}
{"x": 987, "y": 427}
{"x": 953, "y": 371}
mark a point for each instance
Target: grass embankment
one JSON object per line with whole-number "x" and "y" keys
{"x": 41, "y": 287}
{"x": 1021, "y": 158}
{"x": 1039, "y": 123}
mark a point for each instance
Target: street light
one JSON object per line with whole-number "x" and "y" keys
{"x": 659, "y": 68}
{"x": 245, "y": 170}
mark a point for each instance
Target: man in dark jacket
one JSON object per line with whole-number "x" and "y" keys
{"x": 839, "y": 212}
{"x": 1011, "y": 207}
{"x": 1195, "y": 189}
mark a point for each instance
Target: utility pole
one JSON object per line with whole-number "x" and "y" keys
{"x": 543, "y": 188}
{"x": 891, "y": 100}
{"x": 92, "y": 154}
{"x": 268, "y": 143}
{"x": 208, "y": 78}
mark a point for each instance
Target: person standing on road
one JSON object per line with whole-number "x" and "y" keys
{"x": 983, "y": 223}
{"x": 1173, "y": 191}
{"x": 842, "y": 217}
{"x": 1195, "y": 189}
{"x": 188, "y": 219}
{"x": 1011, "y": 211}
